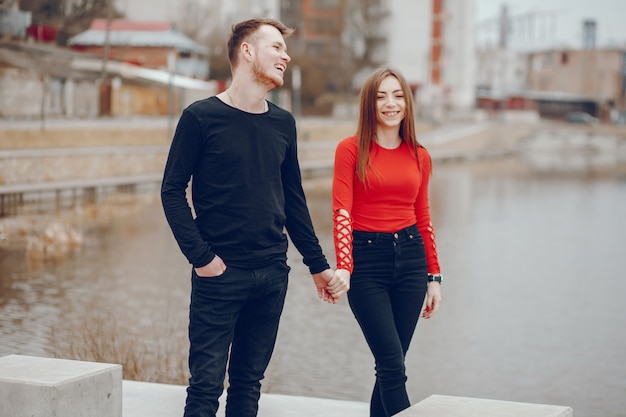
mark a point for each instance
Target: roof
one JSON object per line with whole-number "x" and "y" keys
{"x": 44, "y": 59}
{"x": 129, "y": 72}
{"x": 64, "y": 63}
{"x": 131, "y": 25}
{"x": 128, "y": 33}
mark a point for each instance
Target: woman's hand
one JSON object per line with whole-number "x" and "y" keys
{"x": 433, "y": 299}
{"x": 340, "y": 284}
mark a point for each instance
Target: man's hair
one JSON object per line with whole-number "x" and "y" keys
{"x": 242, "y": 31}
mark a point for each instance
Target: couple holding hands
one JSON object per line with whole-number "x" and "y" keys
{"x": 239, "y": 152}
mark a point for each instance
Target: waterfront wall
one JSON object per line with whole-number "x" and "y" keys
{"x": 116, "y": 148}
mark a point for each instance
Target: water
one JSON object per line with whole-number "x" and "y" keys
{"x": 533, "y": 259}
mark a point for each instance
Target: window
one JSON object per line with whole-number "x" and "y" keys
{"x": 325, "y": 4}
{"x": 315, "y": 49}
{"x": 328, "y": 26}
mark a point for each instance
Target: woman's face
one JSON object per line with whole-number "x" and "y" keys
{"x": 390, "y": 102}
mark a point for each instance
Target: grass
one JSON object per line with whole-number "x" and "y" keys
{"x": 102, "y": 338}
{"x": 157, "y": 354}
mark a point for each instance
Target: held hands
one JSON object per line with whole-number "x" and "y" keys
{"x": 433, "y": 299}
{"x": 340, "y": 284}
{"x": 332, "y": 285}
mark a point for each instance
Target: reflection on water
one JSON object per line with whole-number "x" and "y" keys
{"x": 532, "y": 312}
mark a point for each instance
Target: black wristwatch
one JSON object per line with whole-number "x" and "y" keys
{"x": 437, "y": 278}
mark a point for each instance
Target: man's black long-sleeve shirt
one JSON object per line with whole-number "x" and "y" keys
{"x": 246, "y": 187}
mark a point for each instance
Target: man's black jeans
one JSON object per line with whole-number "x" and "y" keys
{"x": 239, "y": 310}
{"x": 387, "y": 290}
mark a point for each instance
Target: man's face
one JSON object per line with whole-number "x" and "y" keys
{"x": 270, "y": 56}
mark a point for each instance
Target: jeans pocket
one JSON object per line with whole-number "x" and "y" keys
{"x": 361, "y": 243}
{"x": 284, "y": 267}
{"x": 416, "y": 239}
{"x": 211, "y": 278}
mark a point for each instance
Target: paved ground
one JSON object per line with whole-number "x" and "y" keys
{"x": 141, "y": 399}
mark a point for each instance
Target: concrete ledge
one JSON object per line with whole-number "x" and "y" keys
{"x": 44, "y": 387}
{"x": 449, "y": 406}
{"x": 6, "y": 189}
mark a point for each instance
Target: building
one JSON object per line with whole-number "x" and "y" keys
{"x": 149, "y": 69}
{"x": 432, "y": 43}
{"x": 156, "y": 46}
{"x": 319, "y": 27}
{"x": 590, "y": 80}
{"x": 459, "y": 60}
{"x": 37, "y": 81}
{"x": 14, "y": 22}
{"x": 553, "y": 82}
{"x": 501, "y": 72}
{"x": 336, "y": 44}
{"x": 331, "y": 34}
{"x": 149, "y": 44}
{"x": 501, "y": 80}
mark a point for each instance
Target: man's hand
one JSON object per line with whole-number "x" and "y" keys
{"x": 321, "y": 281}
{"x": 214, "y": 268}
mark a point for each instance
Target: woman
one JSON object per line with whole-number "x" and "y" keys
{"x": 383, "y": 234}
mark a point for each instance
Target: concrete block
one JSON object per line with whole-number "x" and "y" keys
{"x": 450, "y": 406}
{"x": 46, "y": 387}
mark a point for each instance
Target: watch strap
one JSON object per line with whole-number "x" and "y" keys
{"x": 435, "y": 277}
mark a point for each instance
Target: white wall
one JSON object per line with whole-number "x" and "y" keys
{"x": 410, "y": 43}
{"x": 459, "y": 73}
{"x": 409, "y": 39}
{"x": 501, "y": 71}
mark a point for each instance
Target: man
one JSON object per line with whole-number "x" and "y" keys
{"x": 240, "y": 152}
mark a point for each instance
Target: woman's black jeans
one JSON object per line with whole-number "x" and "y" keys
{"x": 387, "y": 291}
{"x": 237, "y": 312}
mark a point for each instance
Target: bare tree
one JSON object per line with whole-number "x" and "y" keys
{"x": 201, "y": 21}
{"x": 7, "y": 4}
{"x": 366, "y": 24}
{"x": 70, "y": 17}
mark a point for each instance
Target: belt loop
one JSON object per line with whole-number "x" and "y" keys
{"x": 408, "y": 232}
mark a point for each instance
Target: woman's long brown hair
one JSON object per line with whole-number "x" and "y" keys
{"x": 366, "y": 130}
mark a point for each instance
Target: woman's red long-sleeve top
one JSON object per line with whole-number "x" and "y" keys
{"x": 396, "y": 197}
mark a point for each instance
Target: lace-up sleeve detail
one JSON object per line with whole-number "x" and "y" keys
{"x": 342, "y": 233}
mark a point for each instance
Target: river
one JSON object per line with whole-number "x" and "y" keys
{"x": 533, "y": 296}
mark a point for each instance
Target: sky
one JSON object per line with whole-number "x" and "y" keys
{"x": 558, "y": 23}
